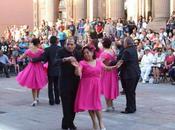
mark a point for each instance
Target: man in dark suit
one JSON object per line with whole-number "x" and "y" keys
{"x": 130, "y": 74}
{"x": 119, "y": 45}
{"x": 68, "y": 83}
{"x": 53, "y": 71}
{"x": 49, "y": 56}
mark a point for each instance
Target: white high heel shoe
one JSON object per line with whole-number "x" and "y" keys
{"x": 34, "y": 103}
{"x": 103, "y": 128}
{"x": 37, "y": 99}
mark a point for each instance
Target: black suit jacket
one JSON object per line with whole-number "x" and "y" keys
{"x": 69, "y": 81}
{"x": 49, "y": 56}
{"x": 130, "y": 68}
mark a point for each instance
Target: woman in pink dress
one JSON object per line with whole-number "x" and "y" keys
{"x": 94, "y": 43}
{"x": 89, "y": 90}
{"x": 109, "y": 79}
{"x": 33, "y": 76}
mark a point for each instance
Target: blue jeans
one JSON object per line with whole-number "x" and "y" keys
{"x": 119, "y": 33}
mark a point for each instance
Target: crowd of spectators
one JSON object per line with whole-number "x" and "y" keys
{"x": 155, "y": 49}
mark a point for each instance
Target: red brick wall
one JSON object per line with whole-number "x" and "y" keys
{"x": 15, "y": 12}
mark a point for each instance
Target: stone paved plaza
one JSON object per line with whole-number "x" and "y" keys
{"x": 155, "y": 110}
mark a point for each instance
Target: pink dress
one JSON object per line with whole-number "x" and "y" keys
{"x": 89, "y": 90}
{"x": 33, "y": 76}
{"x": 109, "y": 79}
{"x": 97, "y": 54}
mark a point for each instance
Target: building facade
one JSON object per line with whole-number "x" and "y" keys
{"x": 32, "y": 12}
{"x": 76, "y": 9}
{"x": 50, "y": 10}
{"x": 16, "y": 12}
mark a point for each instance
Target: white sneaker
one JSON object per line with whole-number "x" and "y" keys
{"x": 103, "y": 128}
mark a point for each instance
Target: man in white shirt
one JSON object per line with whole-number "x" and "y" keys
{"x": 146, "y": 64}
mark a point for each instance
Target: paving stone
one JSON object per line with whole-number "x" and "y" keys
{"x": 155, "y": 110}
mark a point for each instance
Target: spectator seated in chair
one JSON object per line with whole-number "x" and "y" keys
{"x": 169, "y": 61}
{"x": 4, "y": 63}
{"x": 158, "y": 63}
{"x": 172, "y": 74}
{"x": 146, "y": 64}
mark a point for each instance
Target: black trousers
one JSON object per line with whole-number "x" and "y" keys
{"x": 122, "y": 83}
{"x": 53, "y": 88}
{"x": 129, "y": 86}
{"x": 5, "y": 67}
{"x": 68, "y": 95}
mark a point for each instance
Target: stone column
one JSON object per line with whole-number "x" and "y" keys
{"x": 41, "y": 11}
{"x": 101, "y": 9}
{"x": 80, "y": 9}
{"x": 108, "y": 9}
{"x": 116, "y": 8}
{"x": 36, "y": 13}
{"x": 148, "y": 8}
{"x": 162, "y": 8}
{"x": 132, "y": 11}
{"x": 172, "y": 8}
{"x": 92, "y": 9}
{"x": 51, "y": 10}
{"x": 161, "y": 14}
{"x": 139, "y": 7}
{"x": 95, "y": 6}
{"x": 69, "y": 4}
{"x": 143, "y": 8}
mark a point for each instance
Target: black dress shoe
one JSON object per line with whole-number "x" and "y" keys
{"x": 7, "y": 76}
{"x": 127, "y": 112}
{"x": 51, "y": 102}
{"x": 64, "y": 128}
{"x": 57, "y": 102}
{"x": 73, "y": 127}
{"x": 122, "y": 92}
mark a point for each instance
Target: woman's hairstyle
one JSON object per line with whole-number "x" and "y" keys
{"x": 53, "y": 39}
{"x": 93, "y": 35}
{"x": 129, "y": 41}
{"x": 95, "y": 43}
{"x": 91, "y": 49}
{"x": 106, "y": 43}
{"x": 35, "y": 41}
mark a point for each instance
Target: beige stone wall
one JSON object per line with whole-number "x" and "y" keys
{"x": 133, "y": 9}
{"x": 80, "y": 9}
{"x": 16, "y": 12}
{"x": 161, "y": 8}
{"x": 161, "y": 13}
{"x": 172, "y": 6}
{"x": 102, "y": 8}
{"x": 92, "y": 9}
{"x": 22, "y": 10}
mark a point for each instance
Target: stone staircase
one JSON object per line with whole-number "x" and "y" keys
{"x": 157, "y": 24}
